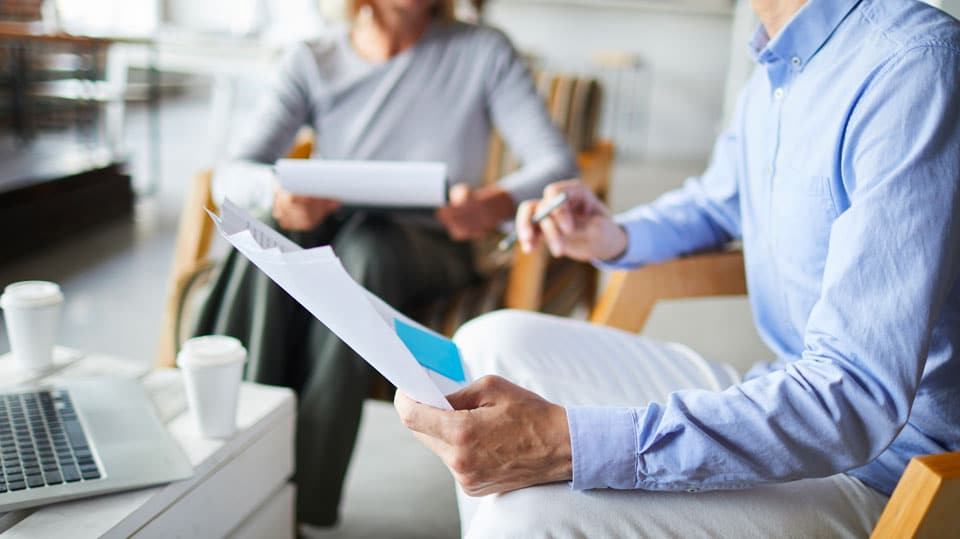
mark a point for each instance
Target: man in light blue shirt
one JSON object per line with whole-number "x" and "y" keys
{"x": 841, "y": 175}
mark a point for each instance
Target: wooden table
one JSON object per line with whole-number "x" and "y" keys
{"x": 240, "y": 486}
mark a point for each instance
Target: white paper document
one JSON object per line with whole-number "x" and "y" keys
{"x": 317, "y": 280}
{"x": 393, "y": 184}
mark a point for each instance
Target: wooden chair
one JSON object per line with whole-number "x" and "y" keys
{"x": 515, "y": 280}
{"x": 926, "y": 501}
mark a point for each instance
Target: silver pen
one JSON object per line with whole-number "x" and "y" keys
{"x": 507, "y": 242}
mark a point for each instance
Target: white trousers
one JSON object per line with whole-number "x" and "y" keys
{"x": 570, "y": 362}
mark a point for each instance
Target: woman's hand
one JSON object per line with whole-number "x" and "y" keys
{"x": 473, "y": 213}
{"x": 297, "y": 212}
{"x": 581, "y": 228}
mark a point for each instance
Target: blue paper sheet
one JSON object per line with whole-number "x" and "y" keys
{"x": 434, "y": 352}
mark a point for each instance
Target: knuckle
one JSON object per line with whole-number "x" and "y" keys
{"x": 494, "y": 381}
{"x": 521, "y": 211}
{"x": 470, "y": 483}
{"x": 461, "y": 435}
{"x": 460, "y": 463}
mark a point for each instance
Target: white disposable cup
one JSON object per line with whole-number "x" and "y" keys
{"x": 212, "y": 369}
{"x": 31, "y": 310}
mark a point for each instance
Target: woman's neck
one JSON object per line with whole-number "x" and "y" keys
{"x": 382, "y": 34}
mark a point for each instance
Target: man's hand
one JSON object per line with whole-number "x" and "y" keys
{"x": 473, "y": 213}
{"x": 500, "y": 438}
{"x": 297, "y": 212}
{"x": 581, "y": 228}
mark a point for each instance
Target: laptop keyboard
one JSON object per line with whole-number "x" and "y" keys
{"x": 42, "y": 442}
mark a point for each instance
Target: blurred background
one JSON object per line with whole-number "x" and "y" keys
{"x": 108, "y": 108}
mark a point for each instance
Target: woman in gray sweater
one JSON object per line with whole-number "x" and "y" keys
{"x": 403, "y": 82}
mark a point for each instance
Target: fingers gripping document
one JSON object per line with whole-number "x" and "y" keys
{"x": 422, "y": 363}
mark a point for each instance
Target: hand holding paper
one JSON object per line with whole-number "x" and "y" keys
{"x": 301, "y": 212}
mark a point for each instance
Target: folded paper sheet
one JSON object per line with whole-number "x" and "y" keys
{"x": 317, "y": 280}
{"x": 394, "y": 184}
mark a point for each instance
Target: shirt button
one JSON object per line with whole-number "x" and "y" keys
{"x": 795, "y": 61}
{"x": 778, "y": 93}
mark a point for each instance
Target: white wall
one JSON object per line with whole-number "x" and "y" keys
{"x": 673, "y": 108}
{"x": 276, "y": 21}
{"x": 686, "y": 55}
{"x": 110, "y": 17}
{"x": 951, "y": 6}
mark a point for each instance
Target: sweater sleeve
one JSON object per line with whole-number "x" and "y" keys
{"x": 519, "y": 115}
{"x": 246, "y": 178}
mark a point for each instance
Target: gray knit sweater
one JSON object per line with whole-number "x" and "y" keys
{"x": 436, "y": 101}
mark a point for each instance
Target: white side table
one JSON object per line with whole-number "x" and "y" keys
{"x": 240, "y": 487}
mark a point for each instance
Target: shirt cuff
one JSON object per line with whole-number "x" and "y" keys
{"x": 247, "y": 184}
{"x": 603, "y": 441}
{"x": 641, "y": 245}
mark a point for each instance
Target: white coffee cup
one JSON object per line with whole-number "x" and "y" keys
{"x": 212, "y": 368}
{"x": 32, "y": 313}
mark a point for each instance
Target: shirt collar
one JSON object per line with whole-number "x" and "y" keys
{"x": 803, "y": 35}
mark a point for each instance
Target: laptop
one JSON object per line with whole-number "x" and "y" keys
{"x": 81, "y": 438}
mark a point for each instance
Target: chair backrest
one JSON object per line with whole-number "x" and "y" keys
{"x": 539, "y": 282}
{"x": 574, "y": 106}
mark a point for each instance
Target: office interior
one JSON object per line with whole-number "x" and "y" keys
{"x": 179, "y": 80}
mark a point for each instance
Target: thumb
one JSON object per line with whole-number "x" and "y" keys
{"x": 479, "y": 394}
{"x": 467, "y": 398}
{"x": 460, "y": 193}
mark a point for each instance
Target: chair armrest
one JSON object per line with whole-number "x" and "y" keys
{"x": 192, "y": 246}
{"x": 629, "y": 297}
{"x": 926, "y": 499}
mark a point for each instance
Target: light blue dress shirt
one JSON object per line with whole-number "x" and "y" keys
{"x": 840, "y": 174}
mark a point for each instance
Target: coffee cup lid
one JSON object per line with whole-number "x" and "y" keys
{"x": 31, "y": 294}
{"x": 211, "y": 351}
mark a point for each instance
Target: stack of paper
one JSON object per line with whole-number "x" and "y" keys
{"x": 422, "y": 363}
{"x": 385, "y": 184}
